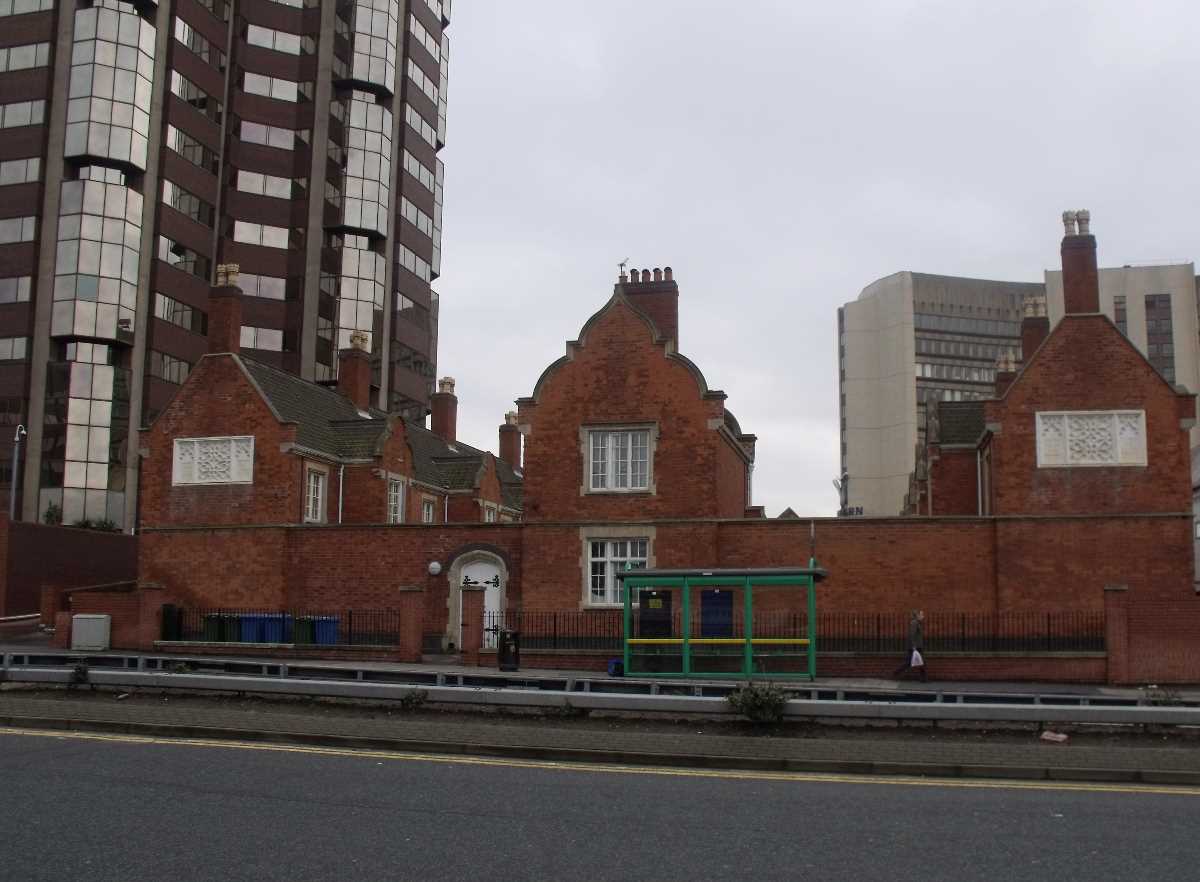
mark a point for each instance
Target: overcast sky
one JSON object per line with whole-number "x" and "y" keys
{"x": 780, "y": 156}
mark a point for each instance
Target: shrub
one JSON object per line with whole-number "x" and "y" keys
{"x": 759, "y": 703}
{"x": 53, "y": 515}
{"x": 413, "y": 700}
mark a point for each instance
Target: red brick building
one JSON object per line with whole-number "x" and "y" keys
{"x": 1068, "y": 493}
{"x": 245, "y": 443}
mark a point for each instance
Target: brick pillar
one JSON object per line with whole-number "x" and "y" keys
{"x": 411, "y": 604}
{"x": 1116, "y": 632}
{"x": 62, "y": 631}
{"x": 472, "y": 625}
{"x": 149, "y": 626}
{"x": 50, "y": 603}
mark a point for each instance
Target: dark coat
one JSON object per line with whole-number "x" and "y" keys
{"x": 916, "y": 634}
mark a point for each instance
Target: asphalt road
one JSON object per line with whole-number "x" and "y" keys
{"x": 110, "y": 808}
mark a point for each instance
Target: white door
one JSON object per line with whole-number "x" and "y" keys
{"x": 486, "y": 575}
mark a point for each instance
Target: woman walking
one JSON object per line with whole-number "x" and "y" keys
{"x": 915, "y": 659}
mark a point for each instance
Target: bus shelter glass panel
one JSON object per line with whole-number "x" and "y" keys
{"x": 655, "y": 625}
{"x": 717, "y": 635}
{"x": 780, "y": 626}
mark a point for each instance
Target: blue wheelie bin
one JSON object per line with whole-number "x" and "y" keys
{"x": 326, "y": 630}
{"x": 272, "y": 628}
{"x": 251, "y": 630}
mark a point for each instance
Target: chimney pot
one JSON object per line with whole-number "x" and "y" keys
{"x": 1068, "y": 219}
{"x": 1085, "y": 220}
{"x": 227, "y": 274}
{"x": 446, "y": 384}
{"x": 633, "y": 275}
{"x": 660, "y": 303}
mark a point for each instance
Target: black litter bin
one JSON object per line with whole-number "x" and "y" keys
{"x": 508, "y": 649}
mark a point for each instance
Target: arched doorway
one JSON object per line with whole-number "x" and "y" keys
{"x": 474, "y": 569}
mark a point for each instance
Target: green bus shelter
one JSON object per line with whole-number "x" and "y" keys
{"x": 709, "y": 623}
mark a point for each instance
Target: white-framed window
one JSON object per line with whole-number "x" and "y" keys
{"x": 606, "y": 558}
{"x": 1091, "y": 438}
{"x": 618, "y": 460}
{"x": 314, "y": 494}
{"x": 489, "y": 514}
{"x": 213, "y": 460}
{"x": 427, "y": 511}
{"x": 395, "y": 502}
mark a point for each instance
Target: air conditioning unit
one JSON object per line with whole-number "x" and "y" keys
{"x": 90, "y": 632}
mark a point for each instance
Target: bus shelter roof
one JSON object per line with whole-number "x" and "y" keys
{"x": 774, "y": 574}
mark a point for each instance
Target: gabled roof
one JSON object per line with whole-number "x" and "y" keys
{"x": 327, "y": 422}
{"x": 655, "y": 337}
{"x": 788, "y": 515}
{"x": 457, "y": 466}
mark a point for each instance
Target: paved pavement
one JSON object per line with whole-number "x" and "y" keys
{"x": 697, "y": 743}
{"x": 118, "y": 811}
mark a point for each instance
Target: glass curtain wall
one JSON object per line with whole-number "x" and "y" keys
{"x": 97, "y": 258}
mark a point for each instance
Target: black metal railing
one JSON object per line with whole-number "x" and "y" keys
{"x": 836, "y": 631}
{"x": 562, "y": 629}
{"x": 352, "y": 627}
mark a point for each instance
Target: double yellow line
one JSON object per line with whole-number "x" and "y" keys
{"x": 616, "y": 769}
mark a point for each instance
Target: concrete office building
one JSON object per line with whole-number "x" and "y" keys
{"x": 142, "y": 144}
{"x": 1155, "y": 307}
{"x": 911, "y": 336}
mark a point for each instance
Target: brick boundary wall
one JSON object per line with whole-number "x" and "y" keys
{"x": 34, "y": 555}
{"x": 887, "y": 565}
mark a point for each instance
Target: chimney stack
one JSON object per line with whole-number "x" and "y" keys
{"x": 510, "y": 440}
{"x": 656, "y": 294}
{"x": 1035, "y": 326}
{"x": 1006, "y": 372}
{"x": 354, "y": 371}
{"x": 444, "y": 403}
{"x": 1081, "y": 279}
{"x": 225, "y": 311}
